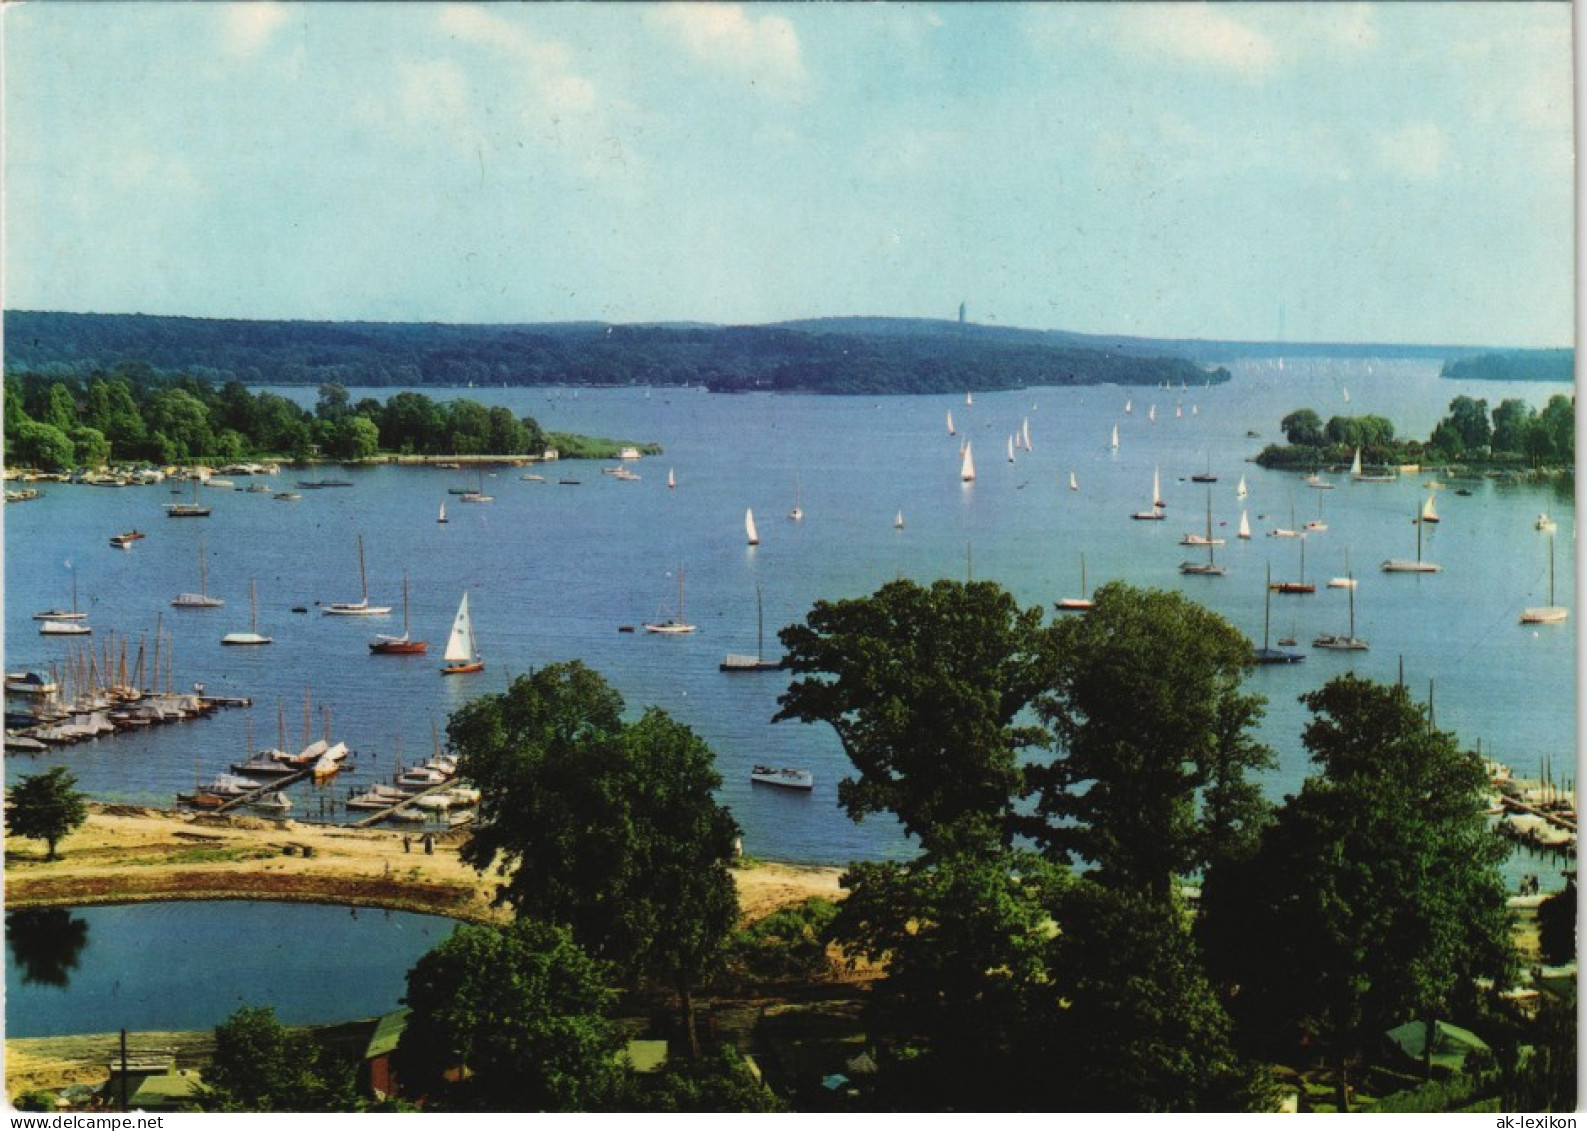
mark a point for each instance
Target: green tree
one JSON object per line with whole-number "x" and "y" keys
{"x": 183, "y": 420}
{"x": 611, "y": 828}
{"x": 1556, "y": 926}
{"x": 467, "y": 429}
{"x": 1379, "y": 880}
{"x": 89, "y": 447}
{"x": 410, "y": 422}
{"x": 1360, "y": 431}
{"x": 1140, "y": 1028}
{"x": 1469, "y": 417}
{"x": 965, "y": 941}
{"x": 1512, "y": 420}
{"x": 44, "y": 446}
{"x": 45, "y": 807}
{"x": 334, "y": 402}
{"x": 925, "y": 688}
{"x": 59, "y": 409}
{"x": 1303, "y": 427}
{"x": 1557, "y": 422}
{"x": 261, "y": 1065}
{"x": 509, "y": 1019}
{"x": 1154, "y": 735}
{"x": 354, "y": 437}
{"x": 717, "y": 1083}
{"x": 111, "y": 408}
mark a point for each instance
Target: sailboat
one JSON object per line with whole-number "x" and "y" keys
{"x": 1209, "y": 568}
{"x": 442, "y": 516}
{"x": 201, "y": 599}
{"x": 252, "y": 635}
{"x": 750, "y": 533}
{"x": 1400, "y": 565}
{"x": 1011, "y": 449}
{"x": 1300, "y": 586}
{"x": 64, "y": 614}
{"x": 1350, "y": 642}
{"x": 969, "y": 399}
{"x": 1290, "y": 531}
{"x": 672, "y": 480}
{"x": 402, "y": 645}
{"x": 1361, "y": 477}
{"x": 1156, "y": 513}
{"x": 187, "y": 510}
{"x": 1129, "y": 407}
{"x": 477, "y": 495}
{"x": 737, "y": 662}
{"x": 674, "y": 626}
{"x": 1348, "y": 581}
{"x": 1317, "y": 525}
{"x": 1241, "y": 491}
{"x": 1203, "y": 539}
{"x": 1114, "y": 443}
{"x": 951, "y": 431}
{"x": 1151, "y": 412}
{"x": 1549, "y": 613}
{"x": 1264, "y": 654}
{"x": 1245, "y": 525}
{"x": 462, "y": 654}
{"x": 798, "y": 512}
{"x": 898, "y": 521}
{"x": 1429, "y": 512}
{"x": 967, "y": 468}
{"x": 1024, "y": 429}
{"x": 1081, "y": 603}
{"x": 360, "y": 608}
{"x": 1073, "y": 484}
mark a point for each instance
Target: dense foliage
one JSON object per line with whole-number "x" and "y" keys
{"x": 133, "y": 415}
{"x": 1514, "y": 365}
{"x": 825, "y": 357}
{"x": 261, "y": 1065}
{"x": 509, "y": 1019}
{"x": 1514, "y": 433}
{"x": 608, "y": 826}
{"x": 1379, "y": 880}
{"x": 45, "y": 807}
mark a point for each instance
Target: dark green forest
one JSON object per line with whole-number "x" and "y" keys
{"x": 1514, "y": 365}
{"x": 871, "y": 356}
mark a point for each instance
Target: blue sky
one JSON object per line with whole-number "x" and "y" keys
{"x": 1398, "y": 172}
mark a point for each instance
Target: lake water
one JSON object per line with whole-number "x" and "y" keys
{"x": 185, "y": 966}
{"x": 553, "y": 570}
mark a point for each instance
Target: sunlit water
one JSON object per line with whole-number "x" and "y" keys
{"x": 553, "y": 570}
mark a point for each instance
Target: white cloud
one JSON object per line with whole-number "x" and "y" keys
{"x": 1416, "y": 151}
{"x": 249, "y": 26}
{"x": 726, "y": 37}
{"x": 1199, "y": 34}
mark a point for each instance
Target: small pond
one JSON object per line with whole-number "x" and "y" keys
{"x": 182, "y": 966}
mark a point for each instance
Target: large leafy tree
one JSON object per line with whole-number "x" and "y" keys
{"x": 1303, "y": 426}
{"x": 46, "y": 807}
{"x": 965, "y": 940}
{"x": 1154, "y": 741}
{"x": 261, "y": 1065}
{"x": 1469, "y": 417}
{"x": 925, "y": 688}
{"x": 1378, "y": 880}
{"x": 510, "y": 1019}
{"x": 607, "y": 826}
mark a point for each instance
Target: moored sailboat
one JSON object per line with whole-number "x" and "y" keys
{"x": 462, "y": 653}
{"x": 738, "y": 662}
{"x": 1349, "y": 642}
{"x": 1298, "y": 586}
{"x": 403, "y": 645}
{"x": 1549, "y": 613}
{"x": 201, "y": 599}
{"x": 1264, "y": 654}
{"x": 967, "y": 465}
{"x": 673, "y": 626}
{"x": 359, "y": 608}
{"x": 252, "y": 635}
{"x": 751, "y": 535}
{"x": 1081, "y": 603}
{"x": 1156, "y": 513}
{"x": 1401, "y": 565}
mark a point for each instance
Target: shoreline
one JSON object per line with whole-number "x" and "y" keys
{"x": 135, "y": 854}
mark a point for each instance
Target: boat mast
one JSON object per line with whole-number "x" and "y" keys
{"x": 363, "y": 581}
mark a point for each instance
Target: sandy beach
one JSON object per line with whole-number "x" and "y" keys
{"x": 129, "y": 854}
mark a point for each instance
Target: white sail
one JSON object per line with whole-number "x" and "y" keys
{"x": 1073, "y": 485}
{"x": 1241, "y": 491}
{"x": 1025, "y": 433}
{"x": 1151, "y": 413}
{"x": 1115, "y": 444}
{"x": 1245, "y": 525}
{"x": 1011, "y": 449}
{"x": 969, "y": 399}
{"x": 1128, "y": 407}
{"x": 898, "y": 521}
{"x": 749, "y": 528}
{"x": 442, "y": 516}
{"x": 672, "y": 480}
{"x": 1355, "y": 464}
{"x": 1429, "y": 513}
{"x": 951, "y": 432}
{"x": 460, "y": 645}
{"x": 967, "y": 470}
{"x": 1157, "y": 488}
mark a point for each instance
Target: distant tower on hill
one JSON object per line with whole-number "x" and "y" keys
{"x": 962, "y": 313}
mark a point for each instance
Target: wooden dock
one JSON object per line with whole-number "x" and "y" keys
{"x": 254, "y": 794}
{"x": 381, "y": 814}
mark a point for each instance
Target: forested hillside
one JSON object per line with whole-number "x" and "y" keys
{"x": 831, "y": 356}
